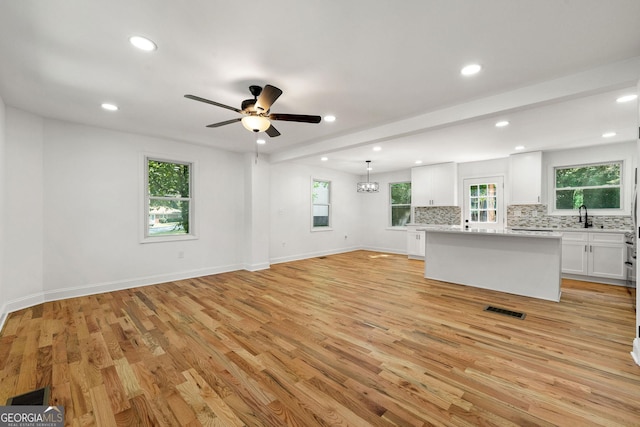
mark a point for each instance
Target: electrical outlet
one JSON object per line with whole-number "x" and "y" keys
{"x": 517, "y": 212}
{"x": 534, "y": 213}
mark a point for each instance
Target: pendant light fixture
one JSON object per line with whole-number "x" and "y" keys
{"x": 368, "y": 187}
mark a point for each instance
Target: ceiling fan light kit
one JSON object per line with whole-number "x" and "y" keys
{"x": 256, "y": 123}
{"x": 368, "y": 187}
{"x": 256, "y": 112}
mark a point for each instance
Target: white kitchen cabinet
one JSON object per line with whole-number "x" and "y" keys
{"x": 594, "y": 254}
{"x": 434, "y": 185}
{"x": 526, "y": 178}
{"x": 415, "y": 244}
{"x": 575, "y": 251}
{"x": 607, "y": 254}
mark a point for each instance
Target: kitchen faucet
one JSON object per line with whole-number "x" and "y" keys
{"x": 586, "y": 216}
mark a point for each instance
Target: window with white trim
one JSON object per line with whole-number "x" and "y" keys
{"x": 321, "y": 204}
{"x": 168, "y": 199}
{"x": 597, "y": 186}
{"x": 400, "y": 203}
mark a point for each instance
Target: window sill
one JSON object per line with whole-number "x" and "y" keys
{"x": 159, "y": 239}
{"x": 399, "y": 228}
{"x": 316, "y": 229}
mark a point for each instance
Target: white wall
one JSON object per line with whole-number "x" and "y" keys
{"x": 23, "y": 250}
{"x": 76, "y": 211}
{"x": 3, "y": 127}
{"x": 291, "y": 236}
{"x": 376, "y": 215}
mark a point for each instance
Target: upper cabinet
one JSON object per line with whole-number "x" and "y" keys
{"x": 526, "y": 178}
{"x": 434, "y": 185}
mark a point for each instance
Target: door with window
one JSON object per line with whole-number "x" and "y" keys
{"x": 484, "y": 202}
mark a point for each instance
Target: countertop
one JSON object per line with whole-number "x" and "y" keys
{"x": 574, "y": 230}
{"x": 490, "y": 232}
{"x": 527, "y": 229}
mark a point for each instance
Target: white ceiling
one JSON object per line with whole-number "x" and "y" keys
{"x": 388, "y": 70}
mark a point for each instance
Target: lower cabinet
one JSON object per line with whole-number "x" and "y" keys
{"x": 575, "y": 253}
{"x": 594, "y": 254}
{"x": 415, "y": 244}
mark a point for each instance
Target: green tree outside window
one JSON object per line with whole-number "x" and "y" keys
{"x": 169, "y": 197}
{"x": 400, "y": 195}
{"x": 595, "y": 186}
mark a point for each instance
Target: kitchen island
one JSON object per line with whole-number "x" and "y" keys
{"x": 526, "y": 263}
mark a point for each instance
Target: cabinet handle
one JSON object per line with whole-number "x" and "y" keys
{"x": 585, "y": 248}
{"x": 590, "y": 248}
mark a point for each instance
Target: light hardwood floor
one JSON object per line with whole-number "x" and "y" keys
{"x": 352, "y": 339}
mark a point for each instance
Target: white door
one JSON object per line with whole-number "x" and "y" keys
{"x": 483, "y": 200}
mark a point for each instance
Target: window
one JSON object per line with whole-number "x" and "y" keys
{"x": 400, "y": 201}
{"x": 483, "y": 206}
{"x": 596, "y": 186}
{"x": 169, "y": 201}
{"x": 321, "y": 199}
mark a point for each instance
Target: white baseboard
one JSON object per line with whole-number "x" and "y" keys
{"x": 98, "y": 288}
{"x": 308, "y": 255}
{"x": 385, "y": 250}
{"x": 257, "y": 267}
{"x": 636, "y": 351}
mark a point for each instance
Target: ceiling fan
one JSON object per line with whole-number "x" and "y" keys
{"x": 256, "y": 112}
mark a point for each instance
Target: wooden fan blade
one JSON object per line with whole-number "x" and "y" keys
{"x": 207, "y": 101}
{"x": 267, "y": 97}
{"x": 295, "y": 118}
{"x": 227, "y": 122}
{"x": 272, "y": 132}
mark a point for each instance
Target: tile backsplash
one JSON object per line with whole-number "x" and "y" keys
{"x": 529, "y": 216}
{"x": 440, "y": 215}
{"x": 532, "y": 216}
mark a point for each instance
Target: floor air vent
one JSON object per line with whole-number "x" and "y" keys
{"x": 504, "y": 311}
{"x": 39, "y": 397}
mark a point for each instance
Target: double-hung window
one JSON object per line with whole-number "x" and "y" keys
{"x": 597, "y": 186}
{"x": 168, "y": 199}
{"x": 321, "y": 204}
{"x": 400, "y": 203}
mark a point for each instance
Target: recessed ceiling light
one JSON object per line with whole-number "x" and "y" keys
{"x": 470, "y": 69}
{"x": 502, "y": 123}
{"x": 519, "y": 147}
{"x": 418, "y": 162}
{"x": 377, "y": 148}
{"x": 261, "y": 141}
{"x": 324, "y": 159}
{"x": 109, "y": 107}
{"x": 627, "y": 98}
{"x": 608, "y": 134}
{"x": 329, "y": 118}
{"x": 143, "y": 43}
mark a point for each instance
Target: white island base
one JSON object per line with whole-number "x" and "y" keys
{"x": 520, "y": 263}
